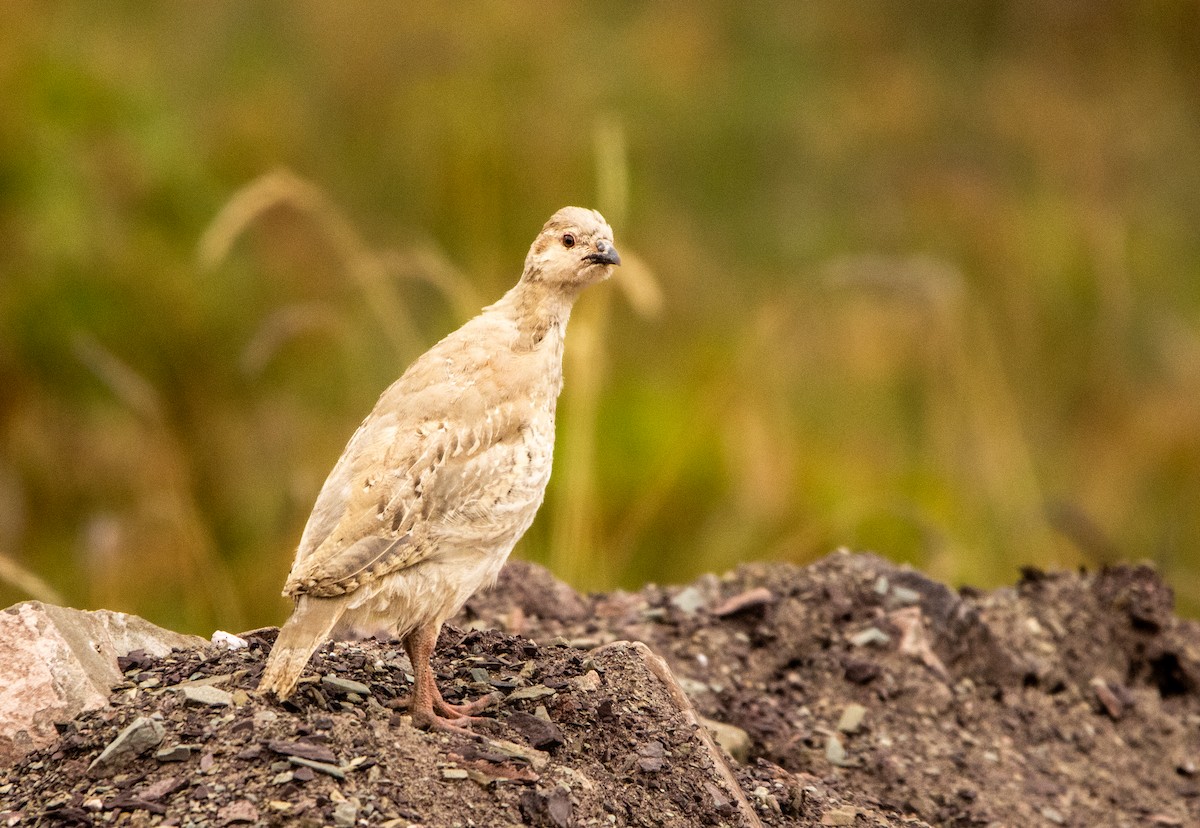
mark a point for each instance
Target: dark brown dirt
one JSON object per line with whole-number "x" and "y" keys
{"x": 1067, "y": 700}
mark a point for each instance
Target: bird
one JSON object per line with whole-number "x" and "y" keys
{"x": 443, "y": 477}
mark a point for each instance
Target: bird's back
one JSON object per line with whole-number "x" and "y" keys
{"x": 455, "y": 456}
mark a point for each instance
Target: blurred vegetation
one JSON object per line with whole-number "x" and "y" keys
{"x": 922, "y": 278}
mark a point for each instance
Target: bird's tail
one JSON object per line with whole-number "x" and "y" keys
{"x": 307, "y": 629}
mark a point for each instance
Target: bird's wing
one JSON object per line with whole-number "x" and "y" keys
{"x": 384, "y": 513}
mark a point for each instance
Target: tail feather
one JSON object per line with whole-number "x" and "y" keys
{"x": 308, "y": 628}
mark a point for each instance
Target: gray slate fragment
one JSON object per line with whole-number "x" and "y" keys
{"x": 205, "y": 695}
{"x": 538, "y": 732}
{"x": 345, "y": 814}
{"x": 322, "y": 767}
{"x": 139, "y": 737}
{"x": 344, "y": 686}
{"x": 175, "y": 753}
{"x": 537, "y": 691}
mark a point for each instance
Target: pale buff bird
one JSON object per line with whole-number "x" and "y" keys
{"x": 445, "y": 474}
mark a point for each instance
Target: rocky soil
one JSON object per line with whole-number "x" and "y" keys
{"x": 850, "y": 692}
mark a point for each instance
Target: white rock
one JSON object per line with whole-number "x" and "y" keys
{"x": 59, "y": 662}
{"x": 229, "y": 641}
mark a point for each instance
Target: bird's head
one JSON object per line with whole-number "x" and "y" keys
{"x": 574, "y": 249}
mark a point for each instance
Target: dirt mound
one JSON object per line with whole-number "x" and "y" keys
{"x": 870, "y": 695}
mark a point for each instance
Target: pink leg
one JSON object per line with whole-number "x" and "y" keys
{"x": 428, "y": 708}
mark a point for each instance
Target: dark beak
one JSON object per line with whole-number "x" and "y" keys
{"x": 605, "y": 254}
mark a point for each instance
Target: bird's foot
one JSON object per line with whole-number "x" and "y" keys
{"x": 443, "y": 717}
{"x": 465, "y": 711}
{"x": 428, "y": 720}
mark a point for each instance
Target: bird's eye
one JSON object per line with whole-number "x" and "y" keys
{"x": 568, "y": 240}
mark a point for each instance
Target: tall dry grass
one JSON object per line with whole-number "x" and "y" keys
{"x": 916, "y": 279}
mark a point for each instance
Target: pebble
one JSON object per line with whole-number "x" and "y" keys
{"x": 454, "y": 773}
{"x": 845, "y": 815}
{"x": 229, "y": 641}
{"x": 1053, "y": 816}
{"x": 871, "y": 635}
{"x": 750, "y": 599}
{"x": 539, "y": 733}
{"x": 141, "y": 735}
{"x": 731, "y": 737}
{"x": 835, "y": 752}
{"x": 242, "y": 810}
{"x": 322, "y": 767}
{"x": 345, "y": 814}
{"x": 175, "y": 753}
{"x": 588, "y": 682}
{"x": 852, "y": 717}
{"x": 205, "y": 695}
{"x": 536, "y": 691}
{"x": 688, "y": 600}
{"x": 345, "y": 686}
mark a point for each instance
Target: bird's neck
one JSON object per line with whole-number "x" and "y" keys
{"x": 540, "y": 311}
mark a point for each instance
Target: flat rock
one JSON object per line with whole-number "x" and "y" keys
{"x": 60, "y": 662}
{"x": 205, "y": 695}
{"x": 140, "y": 736}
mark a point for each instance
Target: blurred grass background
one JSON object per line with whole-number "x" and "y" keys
{"x": 922, "y": 278}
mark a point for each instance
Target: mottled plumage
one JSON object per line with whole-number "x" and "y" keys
{"x": 445, "y": 474}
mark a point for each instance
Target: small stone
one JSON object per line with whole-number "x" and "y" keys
{"x": 870, "y": 636}
{"x": 553, "y": 809}
{"x": 537, "y": 759}
{"x": 860, "y": 671}
{"x": 588, "y": 682}
{"x": 844, "y": 815}
{"x": 454, "y": 773}
{"x": 305, "y": 750}
{"x": 731, "y": 737}
{"x": 906, "y": 596}
{"x": 229, "y": 641}
{"x": 541, "y": 734}
{"x": 536, "y": 691}
{"x": 688, "y": 600}
{"x": 748, "y": 600}
{"x": 345, "y": 814}
{"x": 835, "y": 752}
{"x": 479, "y": 675}
{"x": 242, "y": 810}
{"x": 322, "y": 767}
{"x": 851, "y": 719}
{"x": 344, "y": 686}
{"x": 1053, "y": 816}
{"x": 1108, "y": 698}
{"x": 176, "y": 753}
{"x": 140, "y": 736}
{"x": 205, "y": 695}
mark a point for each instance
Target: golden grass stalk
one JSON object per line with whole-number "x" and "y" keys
{"x": 27, "y": 581}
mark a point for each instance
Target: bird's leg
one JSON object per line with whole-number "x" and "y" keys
{"x": 426, "y": 705}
